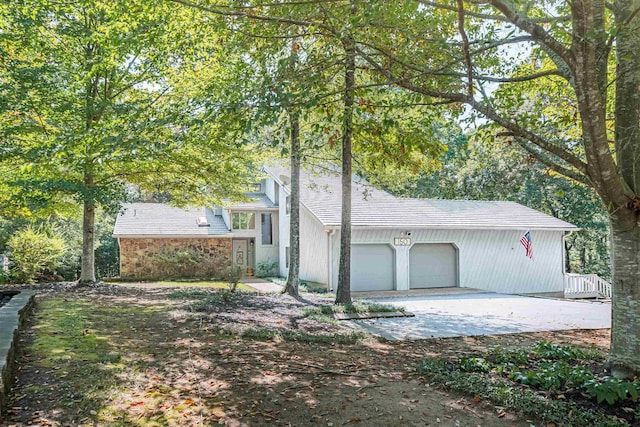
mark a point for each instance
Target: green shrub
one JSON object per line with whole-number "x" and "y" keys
{"x": 33, "y": 251}
{"x": 232, "y": 275}
{"x": 552, "y": 376}
{"x": 552, "y": 351}
{"x": 5, "y": 277}
{"x": 474, "y": 364}
{"x": 503, "y": 393}
{"x": 266, "y": 269}
{"x": 612, "y": 390}
{"x": 180, "y": 263}
{"x": 517, "y": 357}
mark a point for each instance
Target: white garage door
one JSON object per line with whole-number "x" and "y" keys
{"x": 433, "y": 265}
{"x": 372, "y": 268}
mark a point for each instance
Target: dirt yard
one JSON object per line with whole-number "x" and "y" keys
{"x": 122, "y": 355}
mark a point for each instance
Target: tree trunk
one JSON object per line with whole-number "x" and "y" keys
{"x": 343, "y": 292}
{"x": 624, "y": 356}
{"x": 625, "y": 319}
{"x": 87, "y": 272}
{"x": 293, "y": 280}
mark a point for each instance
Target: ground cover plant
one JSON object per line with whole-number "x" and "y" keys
{"x": 559, "y": 383}
{"x": 305, "y": 285}
{"x": 327, "y": 312}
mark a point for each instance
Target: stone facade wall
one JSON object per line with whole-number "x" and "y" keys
{"x": 146, "y": 258}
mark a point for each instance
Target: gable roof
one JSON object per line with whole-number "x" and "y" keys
{"x": 258, "y": 201}
{"x": 320, "y": 193}
{"x": 157, "y": 219}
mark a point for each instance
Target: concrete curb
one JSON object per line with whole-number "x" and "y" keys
{"x": 13, "y": 315}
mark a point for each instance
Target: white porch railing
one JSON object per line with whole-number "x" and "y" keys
{"x": 586, "y": 286}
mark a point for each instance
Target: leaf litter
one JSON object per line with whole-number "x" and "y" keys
{"x": 170, "y": 365}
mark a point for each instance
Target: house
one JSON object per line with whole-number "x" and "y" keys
{"x": 397, "y": 243}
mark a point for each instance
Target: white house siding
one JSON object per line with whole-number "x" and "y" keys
{"x": 226, "y": 218}
{"x": 268, "y": 186}
{"x": 313, "y": 243}
{"x": 283, "y": 235}
{"x": 314, "y": 255}
{"x": 488, "y": 259}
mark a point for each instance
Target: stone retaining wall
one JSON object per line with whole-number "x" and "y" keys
{"x": 140, "y": 258}
{"x": 12, "y": 318}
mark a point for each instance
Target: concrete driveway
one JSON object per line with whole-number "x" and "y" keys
{"x": 486, "y": 314}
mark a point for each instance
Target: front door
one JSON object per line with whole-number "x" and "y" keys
{"x": 240, "y": 254}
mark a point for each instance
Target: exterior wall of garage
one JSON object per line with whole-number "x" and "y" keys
{"x": 487, "y": 259}
{"x": 314, "y": 252}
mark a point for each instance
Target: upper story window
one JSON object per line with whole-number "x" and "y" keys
{"x": 256, "y": 187}
{"x": 267, "y": 228}
{"x": 243, "y": 220}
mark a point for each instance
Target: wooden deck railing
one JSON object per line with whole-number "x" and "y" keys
{"x": 586, "y": 286}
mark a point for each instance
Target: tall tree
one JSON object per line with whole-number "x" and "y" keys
{"x": 582, "y": 54}
{"x": 343, "y": 292}
{"x": 293, "y": 279}
{"x": 94, "y": 98}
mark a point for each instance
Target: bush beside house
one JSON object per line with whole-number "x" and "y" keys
{"x": 33, "y": 252}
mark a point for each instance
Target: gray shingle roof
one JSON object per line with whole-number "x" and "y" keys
{"x": 374, "y": 208}
{"x": 260, "y": 201}
{"x": 157, "y": 219}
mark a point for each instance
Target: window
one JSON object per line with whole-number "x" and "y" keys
{"x": 256, "y": 187}
{"x": 267, "y": 229}
{"x": 287, "y": 205}
{"x": 243, "y": 221}
{"x": 286, "y": 257}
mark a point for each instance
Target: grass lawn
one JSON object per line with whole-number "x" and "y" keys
{"x": 156, "y": 356}
{"x": 189, "y": 284}
{"x": 305, "y": 285}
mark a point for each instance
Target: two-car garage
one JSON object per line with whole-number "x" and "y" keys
{"x": 431, "y": 265}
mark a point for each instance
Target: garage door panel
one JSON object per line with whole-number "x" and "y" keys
{"x": 372, "y": 268}
{"x": 433, "y": 265}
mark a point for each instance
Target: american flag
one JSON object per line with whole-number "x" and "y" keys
{"x": 528, "y": 244}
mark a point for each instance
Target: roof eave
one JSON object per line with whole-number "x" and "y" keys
{"x": 443, "y": 227}
{"x": 169, "y": 236}
{"x": 251, "y": 209}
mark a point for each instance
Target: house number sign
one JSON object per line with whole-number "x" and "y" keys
{"x": 402, "y": 241}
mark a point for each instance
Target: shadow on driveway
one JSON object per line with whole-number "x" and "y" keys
{"x": 486, "y": 314}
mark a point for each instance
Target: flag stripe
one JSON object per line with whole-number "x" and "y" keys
{"x": 528, "y": 244}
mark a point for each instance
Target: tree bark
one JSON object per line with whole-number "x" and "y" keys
{"x": 627, "y": 106}
{"x": 293, "y": 280}
{"x": 87, "y": 271}
{"x": 624, "y": 357}
{"x": 343, "y": 292}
